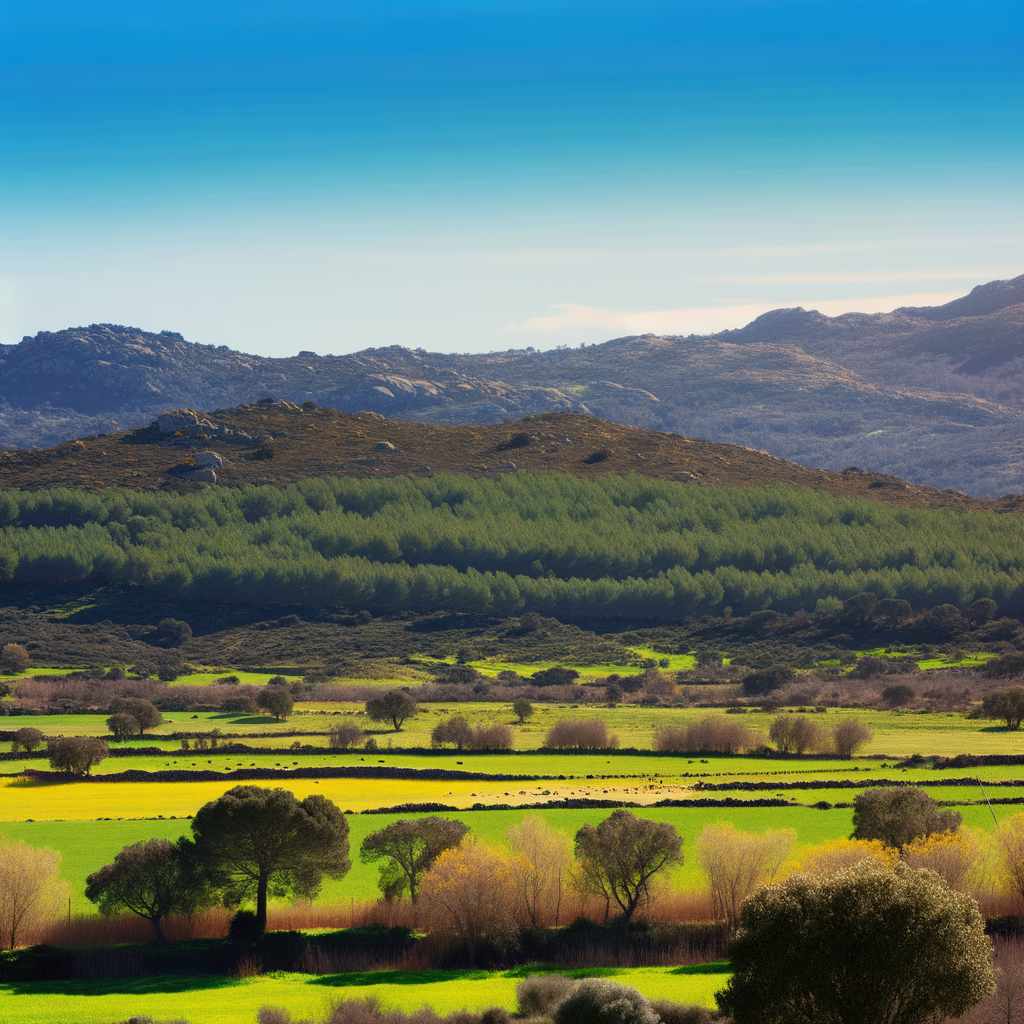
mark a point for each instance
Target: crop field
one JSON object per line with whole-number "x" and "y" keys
{"x": 235, "y": 1001}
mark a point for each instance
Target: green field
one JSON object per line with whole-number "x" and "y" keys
{"x": 235, "y": 1001}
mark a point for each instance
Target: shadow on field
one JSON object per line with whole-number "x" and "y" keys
{"x": 157, "y": 983}
{"x": 717, "y": 967}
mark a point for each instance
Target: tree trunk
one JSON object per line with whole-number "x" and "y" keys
{"x": 261, "y": 904}
{"x": 160, "y": 937}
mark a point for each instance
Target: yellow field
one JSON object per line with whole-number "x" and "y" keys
{"x": 23, "y": 800}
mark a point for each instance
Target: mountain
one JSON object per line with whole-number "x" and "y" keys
{"x": 934, "y": 395}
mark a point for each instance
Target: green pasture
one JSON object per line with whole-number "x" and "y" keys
{"x": 212, "y": 1000}
{"x": 86, "y": 846}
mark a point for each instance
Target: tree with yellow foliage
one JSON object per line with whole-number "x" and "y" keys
{"x": 952, "y": 855}
{"x": 735, "y": 863}
{"x": 470, "y": 892}
{"x": 840, "y": 854}
{"x": 30, "y": 888}
{"x": 542, "y": 870}
{"x": 1009, "y": 840}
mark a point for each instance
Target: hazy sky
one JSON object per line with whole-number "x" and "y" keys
{"x": 476, "y": 176}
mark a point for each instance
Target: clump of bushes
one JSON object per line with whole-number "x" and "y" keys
{"x": 707, "y": 735}
{"x": 463, "y": 736}
{"x": 573, "y": 735}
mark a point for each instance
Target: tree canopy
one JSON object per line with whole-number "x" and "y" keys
{"x": 152, "y": 878}
{"x": 1007, "y": 705}
{"x": 899, "y": 815}
{"x": 407, "y": 848}
{"x": 395, "y": 707}
{"x": 259, "y": 842}
{"x": 76, "y": 755}
{"x": 619, "y": 858}
{"x": 867, "y": 944}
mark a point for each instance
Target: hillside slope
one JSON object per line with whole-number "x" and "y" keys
{"x": 932, "y": 394}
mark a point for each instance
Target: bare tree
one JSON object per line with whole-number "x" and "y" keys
{"x": 574, "y": 735}
{"x": 542, "y": 872}
{"x": 470, "y": 892}
{"x": 735, "y": 863}
{"x": 620, "y": 858}
{"x": 1009, "y": 838}
{"x": 343, "y": 736}
{"x": 849, "y": 736}
{"x": 30, "y": 888}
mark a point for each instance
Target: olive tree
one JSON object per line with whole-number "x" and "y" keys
{"x": 152, "y": 878}
{"x": 899, "y": 815}
{"x": 395, "y": 707}
{"x": 27, "y": 739}
{"x": 620, "y": 858}
{"x": 523, "y": 709}
{"x": 407, "y": 848}
{"x": 76, "y": 755}
{"x": 1007, "y": 705}
{"x": 144, "y": 712}
{"x": 868, "y": 944}
{"x": 258, "y": 843}
{"x": 122, "y": 726}
{"x": 30, "y": 888}
{"x": 277, "y": 700}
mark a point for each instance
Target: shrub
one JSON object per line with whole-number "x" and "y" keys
{"x": 706, "y": 735}
{"x": 555, "y": 676}
{"x": 244, "y": 927}
{"x": 540, "y": 994}
{"x": 849, "y": 736}
{"x": 767, "y": 679}
{"x": 600, "y": 1001}
{"x": 897, "y": 696}
{"x": 14, "y": 658}
{"x": 343, "y": 736}
{"x": 575, "y": 735}
{"x": 683, "y": 1013}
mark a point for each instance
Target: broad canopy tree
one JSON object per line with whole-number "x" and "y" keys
{"x": 395, "y": 707}
{"x": 899, "y": 815}
{"x": 257, "y": 843}
{"x": 867, "y": 944}
{"x": 407, "y": 848}
{"x": 152, "y": 878}
{"x": 619, "y": 859}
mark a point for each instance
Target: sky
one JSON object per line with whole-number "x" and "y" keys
{"x": 473, "y": 177}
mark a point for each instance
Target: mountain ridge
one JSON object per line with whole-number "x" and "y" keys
{"x": 934, "y": 395}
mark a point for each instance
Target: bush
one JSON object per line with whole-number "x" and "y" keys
{"x": 599, "y": 1001}
{"x": 575, "y": 735}
{"x": 555, "y": 676}
{"x": 766, "y": 680}
{"x": 540, "y": 994}
{"x": 14, "y": 658}
{"x": 244, "y": 927}
{"x": 897, "y": 696}
{"x": 707, "y": 735}
{"x": 849, "y": 736}
{"x": 683, "y": 1013}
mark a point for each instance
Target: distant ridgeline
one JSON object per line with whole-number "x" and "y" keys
{"x": 558, "y": 545}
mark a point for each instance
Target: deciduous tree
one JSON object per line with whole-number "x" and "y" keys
{"x": 143, "y": 711}
{"x": 407, "y": 848}
{"x": 27, "y": 739}
{"x": 343, "y": 736}
{"x": 864, "y": 945}
{"x": 470, "y": 892}
{"x": 153, "y": 879}
{"x": 263, "y": 842}
{"x": 31, "y": 890}
{"x": 395, "y": 707}
{"x": 849, "y": 736}
{"x": 735, "y": 863}
{"x": 277, "y": 700}
{"x": 543, "y": 868}
{"x": 122, "y": 726}
{"x": 620, "y": 859}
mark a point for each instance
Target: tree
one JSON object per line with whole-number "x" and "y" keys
{"x": 143, "y": 711}
{"x": 455, "y": 730}
{"x": 860, "y": 607}
{"x": 27, "y": 739}
{"x": 523, "y": 709}
{"x": 343, "y": 736}
{"x": 470, "y": 892}
{"x": 1009, "y": 838}
{"x": 951, "y": 855}
{"x": 849, "y": 736}
{"x": 277, "y": 700}
{"x": 555, "y": 676}
{"x": 620, "y": 858}
{"x": 542, "y": 870}
{"x": 30, "y": 888}
{"x": 76, "y": 755}
{"x": 14, "y": 658}
{"x": 735, "y": 863}
{"x": 173, "y": 632}
{"x": 796, "y": 734}
{"x": 407, "y": 848}
{"x": 766, "y": 680}
{"x": 840, "y": 854}
{"x": 1007, "y": 705}
{"x": 263, "y": 842}
{"x": 864, "y": 946}
{"x": 893, "y": 609}
{"x": 152, "y": 878}
{"x": 122, "y": 726}
{"x": 899, "y": 815}
{"x": 982, "y": 610}
{"x": 395, "y": 707}
{"x": 897, "y": 696}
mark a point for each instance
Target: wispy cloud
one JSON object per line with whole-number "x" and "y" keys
{"x": 712, "y": 319}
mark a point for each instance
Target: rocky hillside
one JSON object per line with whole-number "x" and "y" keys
{"x": 279, "y": 442}
{"x": 933, "y": 394}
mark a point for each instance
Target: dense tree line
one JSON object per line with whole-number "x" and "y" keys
{"x": 546, "y": 543}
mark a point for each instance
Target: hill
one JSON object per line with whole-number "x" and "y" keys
{"x": 279, "y": 443}
{"x": 931, "y": 394}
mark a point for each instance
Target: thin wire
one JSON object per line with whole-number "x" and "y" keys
{"x": 985, "y": 795}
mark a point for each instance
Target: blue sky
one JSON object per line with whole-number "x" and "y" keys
{"x": 479, "y": 176}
